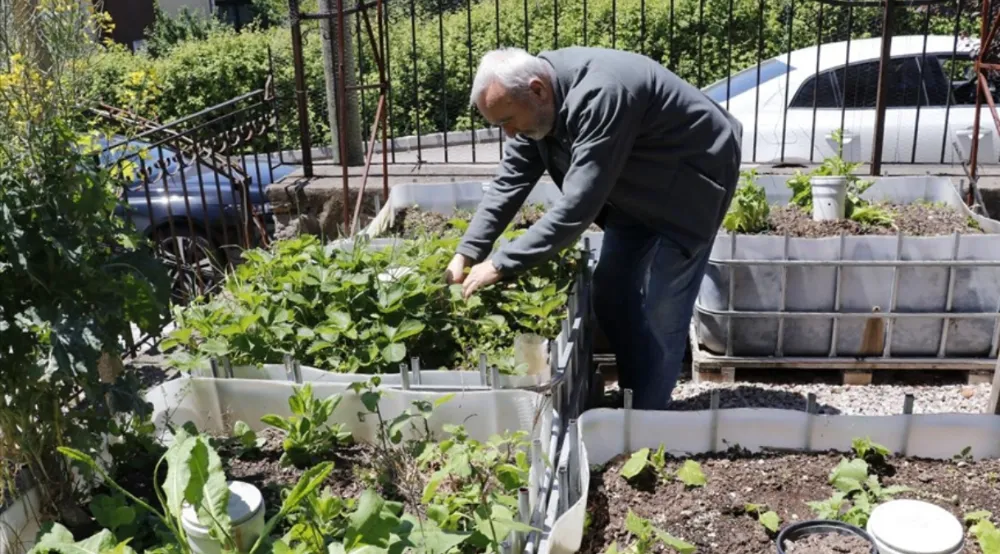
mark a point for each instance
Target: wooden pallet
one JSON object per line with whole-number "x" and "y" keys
{"x": 708, "y": 367}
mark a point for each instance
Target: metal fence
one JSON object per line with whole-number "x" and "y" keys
{"x": 795, "y": 72}
{"x": 195, "y": 187}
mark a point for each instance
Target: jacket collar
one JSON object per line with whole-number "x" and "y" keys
{"x": 559, "y": 91}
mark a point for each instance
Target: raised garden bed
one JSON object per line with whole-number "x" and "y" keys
{"x": 731, "y": 480}
{"x": 386, "y": 469}
{"x": 736, "y": 502}
{"x": 784, "y": 299}
{"x": 369, "y": 309}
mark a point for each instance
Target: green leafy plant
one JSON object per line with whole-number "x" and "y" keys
{"x": 194, "y": 477}
{"x": 248, "y": 439}
{"x": 749, "y": 210}
{"x": 986, "y": 533}
{"x": 362, "y": 310}
{"x": 871, "y": 452}
{"x": 857, "y": 209}
{"x": 857, "y": 492}
{"x": 308, "y": 435}
{"x": 648, "y": 536}
{"x": 646, "y": 463}
{"x": 768, "y": 518}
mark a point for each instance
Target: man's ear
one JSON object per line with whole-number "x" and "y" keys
{"x": 538, "y": 88}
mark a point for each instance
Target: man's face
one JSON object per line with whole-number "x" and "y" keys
{"x": 530, "y": 114}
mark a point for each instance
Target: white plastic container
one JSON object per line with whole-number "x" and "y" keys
{"x": 915, "y": 527}
{"x": 246, "y": 511}
{"x": 829, "y": 194}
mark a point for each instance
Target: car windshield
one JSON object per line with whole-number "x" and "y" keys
{"x": 746, "y": 80}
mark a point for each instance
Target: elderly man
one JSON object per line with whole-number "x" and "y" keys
{"x": 633, "y": 147}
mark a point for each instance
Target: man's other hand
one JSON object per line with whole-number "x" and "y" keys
{"x": 482, "y": 275}
{"x": 455, "y": 273}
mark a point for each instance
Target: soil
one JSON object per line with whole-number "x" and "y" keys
{"x": 828, "y": 543}
{"x": 922, "y": 219}
{"x": 413, "y": 222}
{"x": 262, "y": 468}
{"x": 714, "y": 517}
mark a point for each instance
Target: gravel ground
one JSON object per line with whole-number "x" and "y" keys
{"x": 836, "y": 399}
{"x": 874, "y": 399}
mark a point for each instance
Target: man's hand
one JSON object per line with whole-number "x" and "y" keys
{"x": 482, "y": 275}
{"x": 455, "y": 273}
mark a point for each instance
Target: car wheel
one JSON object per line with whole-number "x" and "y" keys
{"x": 194, "y": 264}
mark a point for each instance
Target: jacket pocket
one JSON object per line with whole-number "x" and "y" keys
{"x": 700, "y": 201}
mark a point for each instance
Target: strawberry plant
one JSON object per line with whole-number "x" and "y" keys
{"x": 308, "y": 436}
{"x": 362, "y": 310}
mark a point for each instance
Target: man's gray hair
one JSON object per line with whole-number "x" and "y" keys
{"x": 513, "y": 68}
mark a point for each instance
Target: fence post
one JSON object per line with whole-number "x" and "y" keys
{"x": 300, "y": 87}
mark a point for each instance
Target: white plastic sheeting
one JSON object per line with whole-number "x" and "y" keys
{"x": 813, "y": 288}
{"x": 603, "y": 436}
{"x": 18, "y": 523}
{"x": 443, "y": 379}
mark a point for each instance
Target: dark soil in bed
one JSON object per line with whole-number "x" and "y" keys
{"x": 714, "y": 517}
{"x": 921, "y": 219}
{"x": 414, "y": 223}
{"x": 262, "y": 468}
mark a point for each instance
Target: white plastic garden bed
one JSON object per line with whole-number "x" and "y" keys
{"x": 445, "y": 198}
{"x": 975, "y": 288}
{"x": 603, "y": 435}
{"x": 214, "y": 405}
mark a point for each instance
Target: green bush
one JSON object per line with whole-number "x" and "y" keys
{"x": 692, "y": 38}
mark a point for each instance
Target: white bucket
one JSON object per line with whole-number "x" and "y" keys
{"x": 829, "y": 194}
{"x": 915, "y": 527}
{"x": 246, "y": 511}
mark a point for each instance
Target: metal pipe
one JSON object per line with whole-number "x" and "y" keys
{"x": 483, "y": 378}
{"x": 860, "y": 263}
{"x": 627, "y": 400}
{"x": 404, "y": 376}
{"x": 949, "y": 299}
{"x": 415, "y": 366}
{"x": 227, "y": 367}
{"x": 844, "y": 315}
{"x": 573, "y": 463}
{"x": 894, "y": 295}
{"x": 495, "y": 377}
{"x": 535, "y": 471}
{"x": 563, "y": 497}
{"x": 342, "y": 114}
{"x": 301, "y": 101}
{"x": 523, "y": 516}
{"x": 732, "y": 293}
{"x": 881, "y": 99}
{"x": 782, "y": 302}
{"x": 836, "y": 296}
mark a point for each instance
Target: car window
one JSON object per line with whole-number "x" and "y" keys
{"x": 746, "y": 80}
{"x": 856, "y": 86}
{"x": 820, "y": 89}
{"x": 960, "y": 74}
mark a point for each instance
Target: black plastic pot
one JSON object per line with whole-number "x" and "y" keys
{"x": 821, "y": 526}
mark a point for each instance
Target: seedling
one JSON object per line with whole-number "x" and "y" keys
{"x": 645, "y": 463}
{"x": 648, "y": 537}
{"x": 768, "y": 518}
{"x": 986, "y": 533}
{"x": 248, "y": 440}
{"x": 308, "y": 437}
{"x": 857, "y": 491}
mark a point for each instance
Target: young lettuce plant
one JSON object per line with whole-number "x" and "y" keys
{"x": 308, "y": 436}
{"x": 194, "y": 477}
{"x": 987, "y": 535}
{"x": 749, "y": 210}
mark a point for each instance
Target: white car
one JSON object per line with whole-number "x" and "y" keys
{"x": 931, "y": 103}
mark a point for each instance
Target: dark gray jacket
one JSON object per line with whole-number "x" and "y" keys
{"x": 628, "y": 133}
